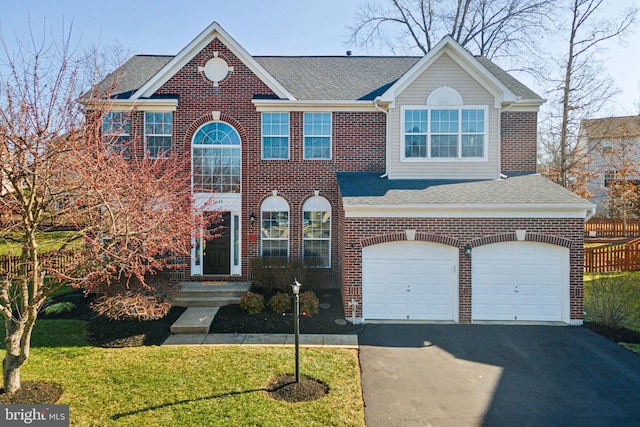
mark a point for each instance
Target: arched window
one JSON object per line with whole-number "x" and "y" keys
{"x": 274, "y": 225}
{"x": 216, "y": 159}
{"x": 316, "y": 232}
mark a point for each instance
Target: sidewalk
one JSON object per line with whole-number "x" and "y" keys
{"x": 307, "y": 340}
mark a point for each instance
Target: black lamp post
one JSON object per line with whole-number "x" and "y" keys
{"x": 295, "y": 286}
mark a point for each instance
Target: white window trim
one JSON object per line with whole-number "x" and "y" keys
{"x": 304, "y": 136}
{"x": 194, "y": 145}
{"x": 288, "y": 136}
{"x": 108, "y": 137}
{"x": 275, "y": 204}
{"x": 170, "y": 135}
{"x": 458, "y": 159}
{"x": 318, "y": 204}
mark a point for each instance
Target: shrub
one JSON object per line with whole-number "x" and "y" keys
{"x": 280, "y": 303}
{"x": 252, "y": 303}
{"x": 59, "y": 308}
{"x": 309, "y": 304}
{"x": 612, "y": 300}
{"x": 278, "y": 273}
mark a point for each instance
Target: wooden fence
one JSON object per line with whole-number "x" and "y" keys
{"x": 10, "y": 265}
{"x": 604, "y": 259}
{"x": 611, "y": 228}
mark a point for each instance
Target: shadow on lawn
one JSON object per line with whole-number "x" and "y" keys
{"x": 181, "y": 402}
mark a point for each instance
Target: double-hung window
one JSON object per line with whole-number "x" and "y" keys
{"x": 317, "y": 136}
{"x": 274, "y": 225}
{"x": 445, "y": 133}
{"x": 115, "y": 131}
{"x": 316, "y": 232}
{"x": 275, "y": 136}
{"x": 157, "y": 133}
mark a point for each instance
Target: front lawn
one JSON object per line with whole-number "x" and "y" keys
{"x": 189, "y": 386}
{"x": 48, "y": 241}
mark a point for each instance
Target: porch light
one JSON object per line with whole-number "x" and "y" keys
{"x": 467, "y": 250}
{"x": 252, "y": 218}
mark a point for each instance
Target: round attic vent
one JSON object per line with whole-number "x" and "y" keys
{"x": 216, "y": 69}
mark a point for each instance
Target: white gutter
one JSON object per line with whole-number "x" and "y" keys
{"x": 263, "y": 105}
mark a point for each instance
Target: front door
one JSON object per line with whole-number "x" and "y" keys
{"x": 216, "y": 255}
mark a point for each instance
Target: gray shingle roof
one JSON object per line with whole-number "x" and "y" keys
{"x": 309, "y": 77}
{"x": 612, "y": 127}
{"x": 336, "y": 77}
{"x": 132, "y": 75}
{"x": 368, "y": 189}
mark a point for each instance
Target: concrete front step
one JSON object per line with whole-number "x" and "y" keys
{"x": 195, "y": 320}
{"x": 202, "y": 301}
{"x": 194, "y": 294}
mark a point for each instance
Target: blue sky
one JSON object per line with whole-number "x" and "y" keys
{"x": 262, "y": 27}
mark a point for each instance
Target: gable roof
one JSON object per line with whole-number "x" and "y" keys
{"x": 612, "y": 127}
{"x": 504, "y": 89}
{"x": 212, "y": 32}
{"x": 307, "y": 78}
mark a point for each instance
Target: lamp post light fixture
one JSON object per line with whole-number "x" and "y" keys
{"x": 295, "y": 287}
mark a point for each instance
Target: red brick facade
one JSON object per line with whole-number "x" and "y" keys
{"x": 518, "y": 149}
{"x": 358, "y": 144}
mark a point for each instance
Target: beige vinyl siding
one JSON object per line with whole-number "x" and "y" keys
{"x": 444, "y": 72}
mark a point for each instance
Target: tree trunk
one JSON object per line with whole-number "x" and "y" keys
{"x": 14, "y": 356}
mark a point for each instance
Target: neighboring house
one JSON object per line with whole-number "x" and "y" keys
{"x": 614, "y": 147}
{"x": 385, "y": 172}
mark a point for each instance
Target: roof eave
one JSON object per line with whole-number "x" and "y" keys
{"x": 264, "y": 105}
{"x": 472, "y": 210}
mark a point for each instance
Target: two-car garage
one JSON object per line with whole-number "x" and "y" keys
{"x": 510, "y": 281}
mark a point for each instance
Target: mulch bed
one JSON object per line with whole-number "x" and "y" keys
{"x": 284, "y": 387}
{"x": 39, "y": 392}
{"x": 232, "y": 319}
{"x": 616, "y": 335}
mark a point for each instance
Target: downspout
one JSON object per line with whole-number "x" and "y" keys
{"x": 376, "y": 103}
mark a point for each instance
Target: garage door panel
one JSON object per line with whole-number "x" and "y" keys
{"x": 520, "y": 281}
{"x": 410, "y": 280}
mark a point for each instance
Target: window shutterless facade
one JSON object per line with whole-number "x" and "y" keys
{"x": 216, "y": 159}
{"x": 275, "y": 136}
{"x": 316, "y": 232}
{"x": 116, "y": 131}
{"x": 274, "y": 228}
{"x": 317, "y": 136}
{"x": 444, "y": 133}
{"x": 157, "y": 134}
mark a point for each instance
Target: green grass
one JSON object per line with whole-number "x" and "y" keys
{"x": 189, "y": 386}
{"x": 633, "y": 347}
{"x": 48, "y": 241}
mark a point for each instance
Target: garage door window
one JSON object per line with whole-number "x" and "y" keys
{"x": 275, "y": 228}
{"x": 316, "y": 239}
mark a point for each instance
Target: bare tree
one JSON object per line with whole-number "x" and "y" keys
{"x": 133, "y": 216}
{"x": 491, "y": 28}
{"x": 583, "y": 88}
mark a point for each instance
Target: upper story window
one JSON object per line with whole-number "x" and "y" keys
{"x": 444, "y": 133}
{"x": 116, "y": 131}
{"x": 444, "y": 128}
{"x": 274, "y": 224}
{"x": 317, "y": 136}
{"x": 316, "y": 232}
{"x": 157, "y": 134}
{"x": 275, "y": 136}
{"x": 216, "y": 159}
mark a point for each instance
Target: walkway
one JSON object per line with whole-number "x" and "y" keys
{"x": 306, "y": 340}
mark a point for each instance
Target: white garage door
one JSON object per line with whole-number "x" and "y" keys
{"x": 410, "y": 280}
{"x": 520, "y": 281}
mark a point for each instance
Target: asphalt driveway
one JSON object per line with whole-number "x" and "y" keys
{"x": 496, "y": 375}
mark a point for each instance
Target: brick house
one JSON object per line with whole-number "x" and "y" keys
{"x": 410, "y": 181}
